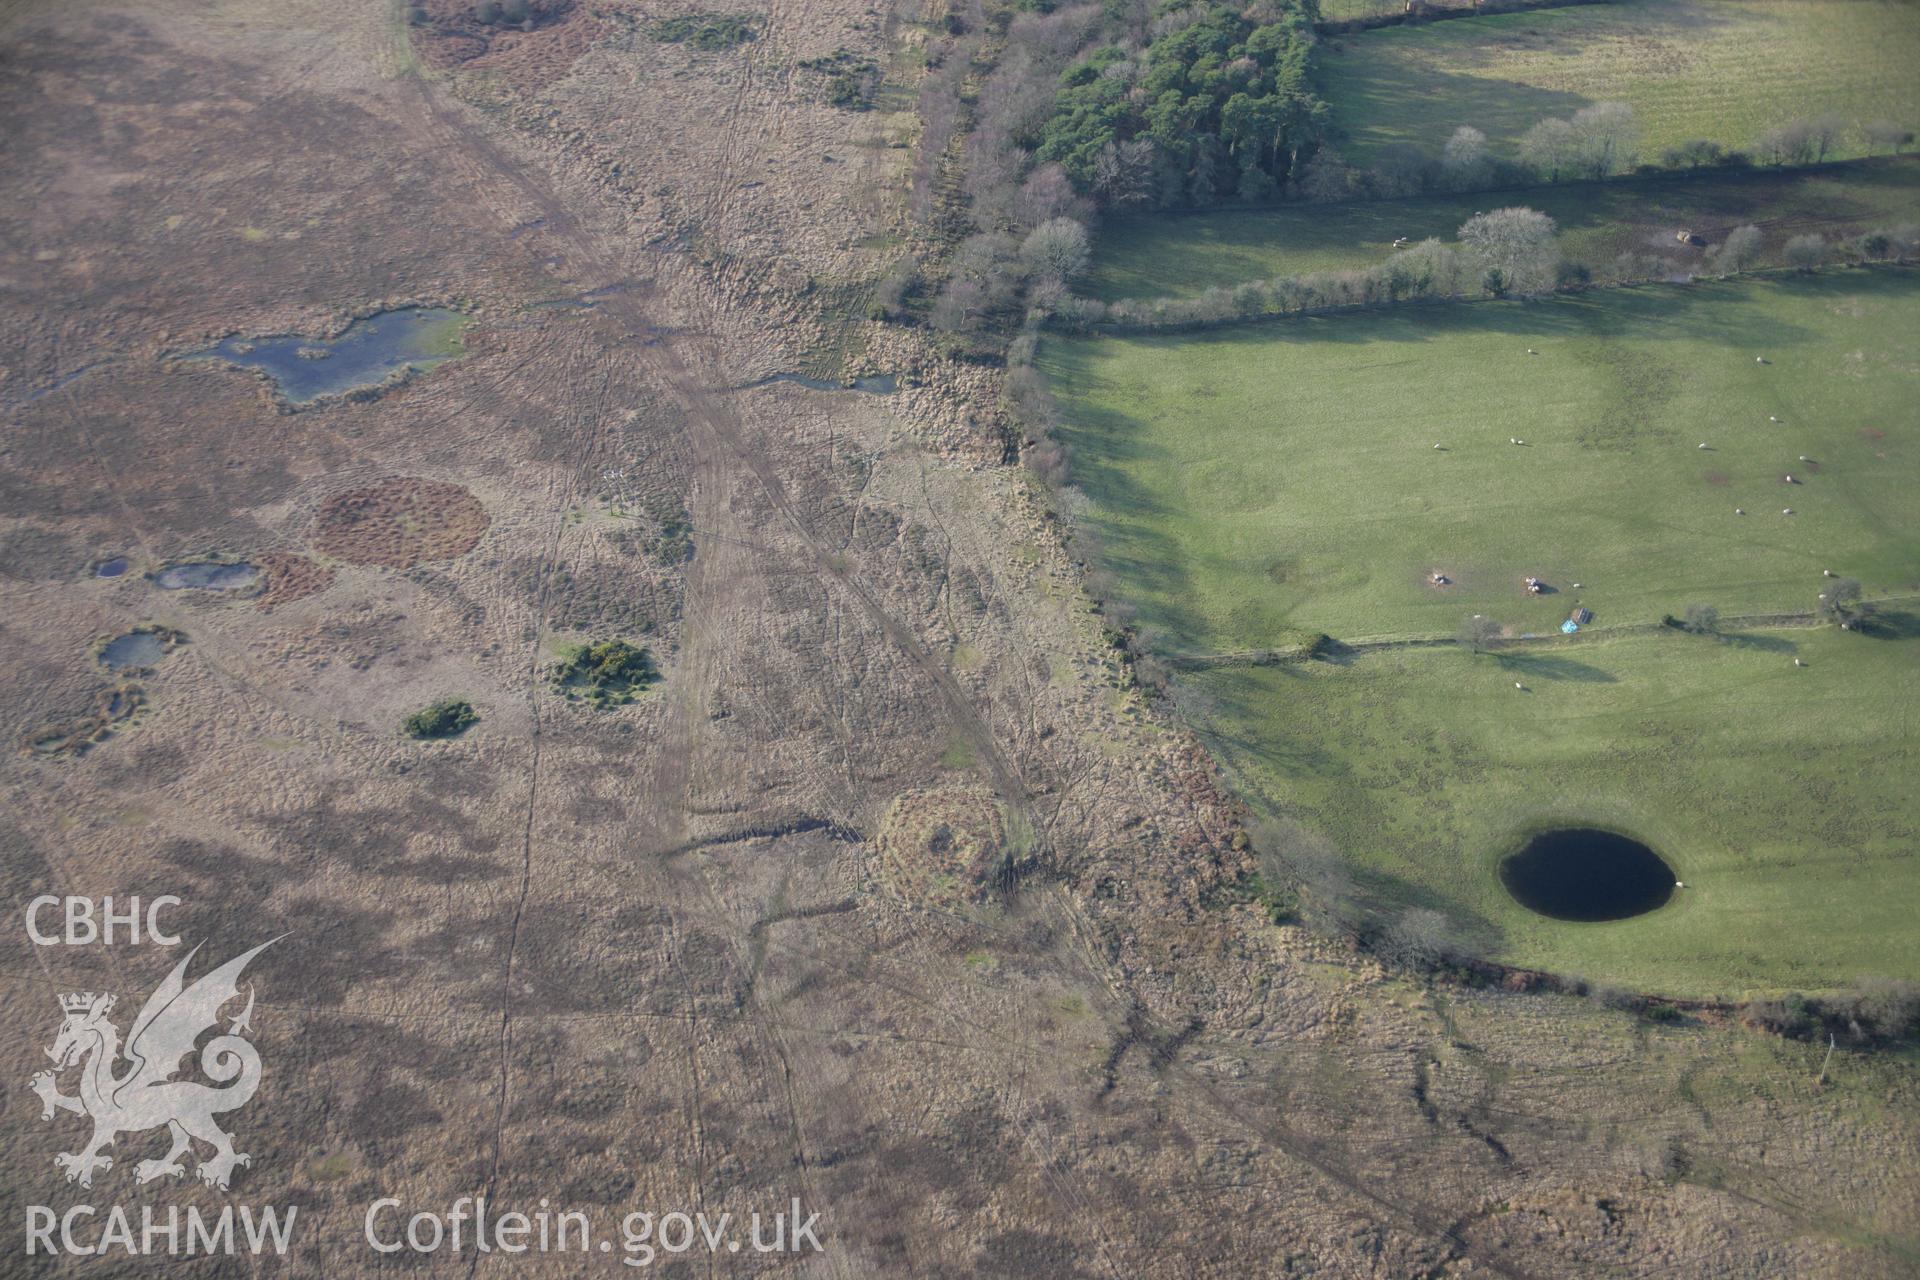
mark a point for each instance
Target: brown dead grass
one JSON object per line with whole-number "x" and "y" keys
{"x": 943, "y": 847}
{"x": 400, "y": 522}
{"x": 287, "y": 577}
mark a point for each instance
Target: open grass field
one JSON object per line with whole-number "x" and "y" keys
{"x": 1181, "y": 255}
{"x": 1283, "y": 477}
{"x": 1721, "y": 69}
{"x": 1347, "y": 10}
{"x": 1781, "y": 795}
{"x": 1269, "y": 480}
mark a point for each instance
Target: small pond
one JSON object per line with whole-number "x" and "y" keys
{"x": 368, "y": 353}
{"x": 134, "y": 649}
{"x": 1580, "y": 873}
{"x": 110, "y": 568}
{"x": 207, "y": 575}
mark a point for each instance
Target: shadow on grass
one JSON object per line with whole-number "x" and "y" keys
{"x": 1702, "y": 312}
{"x": 1889, "y": 624}
{"x": 1389, "y": 82}
{"x": 1379, "y": 898}
{"x": 1183, "y": 251}
{"x": 1552, "y": 666}
{"x": 1758, "y": 641}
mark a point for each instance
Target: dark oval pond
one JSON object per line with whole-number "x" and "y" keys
{"x": 135, "y": 649}
{"x": 206, "y": 575}
{"x": 1580, "y": 873}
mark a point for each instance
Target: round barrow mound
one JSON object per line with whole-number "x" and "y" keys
{"x": 944, "y": 847}
{"x": 399, "y": 522}
{"x": 1580, "y": 873}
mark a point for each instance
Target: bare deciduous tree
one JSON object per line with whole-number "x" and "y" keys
{"x": 1606, "y": 139}
{"x": 1056, "y": 250}
{"x": 1840, "y": 602}
{"x": 1518, "y": 243}
{"x": 1123, "y": 173}
{"x": 1478, "y": 634}
{"x": 1550, "y": 148}
{"x": 1824, "y": 132}
{"x": 1421, "y": 937}
{"x": 1048, "y": 193}
{"x": 1328, "y": 177}
{"x": 1807, "y": 252}
{"x": 1790, "y": 143}
{"x": 1464, "y": 162}
{"x": 1740, "y": 250}
{"x": 1886, "y": 135}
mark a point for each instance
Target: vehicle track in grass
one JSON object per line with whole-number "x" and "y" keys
{"x": 688, "y": 380}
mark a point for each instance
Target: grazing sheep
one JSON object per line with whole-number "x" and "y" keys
{"x": 1826, "y": 573}
{"x": 1739, "y": 511}
{"x": 1759, "y": 359}
{"x": 1799, "y": 662}
{"x": 1805, "y": 458}
{"x": 1791, "y": 480}
{"x": 1703, "y": 445}
{"x": 1771, "y": 418}
{"x": 1786, "y": 511}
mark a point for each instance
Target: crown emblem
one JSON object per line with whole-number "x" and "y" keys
{"x": 83, "y": 1001}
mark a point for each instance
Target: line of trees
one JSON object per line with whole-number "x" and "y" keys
{"x": 1597, "y": 141}
{"x": 1018, "y": 227}
{"x": 1507, "y": 254}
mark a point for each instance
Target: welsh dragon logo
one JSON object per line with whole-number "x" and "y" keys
{"x": 145, "y": 1095}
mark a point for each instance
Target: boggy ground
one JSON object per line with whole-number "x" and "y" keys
{"x": 653, "y": 957}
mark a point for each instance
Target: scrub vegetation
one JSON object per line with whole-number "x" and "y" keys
{"x": 441, "y": 720}
{"x": 606, "y": 673}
